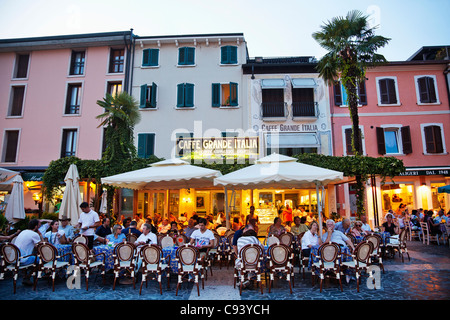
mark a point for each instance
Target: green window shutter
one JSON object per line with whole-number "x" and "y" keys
{"x": 180, "y": 95}
{"x": 228, "y": 55}
{"x": 146, "y": 57}
{"x": 189, "y": 95}
{"x": 216, "y": 94}
{"x": 153, "y": 95}
{"x": 182, "y": 56}
{"x": 233, "y": 94}
{"x": 143, "y": 102}
{"x": 190, "y": 54}
{"x": 154, "y": 57}
{"x": 146, "y": 145}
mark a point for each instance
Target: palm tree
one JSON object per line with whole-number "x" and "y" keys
{"x": 121, "y": 114}
{"x": 352, "y": 46}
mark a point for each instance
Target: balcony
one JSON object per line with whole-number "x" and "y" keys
{"x": 304, "y": 110}
{"x": 273, "y": 111}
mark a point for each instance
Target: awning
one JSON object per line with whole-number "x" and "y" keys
{"x": 303, "y": 83}
{"x": 273, "y": 84}
{"x": 292, "y": 140}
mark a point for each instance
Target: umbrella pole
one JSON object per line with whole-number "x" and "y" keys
{"x": 319, "y": 209}
{"x": 227, "y": 213}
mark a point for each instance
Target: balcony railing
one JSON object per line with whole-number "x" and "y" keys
{"x": 304, "y": 109}
{"x": 273, "y": 109}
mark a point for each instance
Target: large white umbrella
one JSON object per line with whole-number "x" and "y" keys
{"x": 165, "y": 175}
{"x": 15, "y": 207}
{"x": 281, "y": 172}
{"x": 70, "y": 205}
{"x": 6, "y": 177}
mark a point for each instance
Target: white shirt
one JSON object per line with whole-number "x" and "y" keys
{"x": 87, "y": 220}
{"x": 202, "y": 239}
{"x": 309, "y": 239}
{"x": 26, "y": 240}
{"x": 150, "y": 236}
{"x": 366, "y": 227}
{"x": 53, "y": 236}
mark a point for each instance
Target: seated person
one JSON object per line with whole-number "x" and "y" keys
{"x": 104, "y": 229}
{"x": 202, "y": 238}
{"x": 69, "y": 230}
{"x": 116, "y": 236}
{"x": 173, "y": 231}
{"x": 390, "y": 225}
{"x": 310, "y": 238}
{"x": 299, "y": 226}
{"x": 343, "y": 226}
{"x": 164, "y": 226}
{"x": 276, "y": 228}
{"x": 132, "y": 229}
{"x": 54, "y": 235}
{"x": 357, "y": 230}
{"x": 336, "y": 236}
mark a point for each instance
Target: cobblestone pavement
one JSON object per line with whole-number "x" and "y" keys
{"x": 425, "y": 277}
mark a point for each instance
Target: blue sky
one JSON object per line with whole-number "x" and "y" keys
{"x": 271, "y": 28}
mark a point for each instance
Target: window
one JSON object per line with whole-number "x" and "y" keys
{"x": 426, "y": 89}
{"x": 394, "y": 139}
{"x": 116, "y": 60}
{"x": 347, "y": 143}
{"x": 17, "y": 99}
{"x": 186, "y": 56}
{"x": 77, "y": 63}
{"x": 433, "y": 138}
{"x": 224, "y": 94}
{"x": 146, "y": 145}
{"x": 228, "y": 55}
{"x": 73, "y": 98}
{"x": 340, "y": 94}
{"x": 387, "y": 91}
{"x": 10, "y": 144}
{"x": 150, "y": 58}
{"x": 69, "y": 143}
{"x": 114, "y": 87}
{"x": 303, "y": 104}
{"x": 290, "y": 144}
{"x": 21, "y": 69}
{"x": 185, "y": 95}
{"x": 148, "y": 96}
{"x": 273, "y": 103}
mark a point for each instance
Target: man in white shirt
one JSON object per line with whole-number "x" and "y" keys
{"x": 337, "y": 236}
{"x": 365, "y": 225}
{"x": 147, "y": 237}
{"x": 202, "y": 237}
{"x": 26, "y": 241}
{"x": 88, "y": 221}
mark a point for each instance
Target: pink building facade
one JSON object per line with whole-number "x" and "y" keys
{"x": 404, "y": 112}
{"x": 48, "y": 92}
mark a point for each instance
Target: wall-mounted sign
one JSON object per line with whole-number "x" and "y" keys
{"x": 218, "y": 146}
{"x": 432, "y": 172}
{"x": 290, "y": 127}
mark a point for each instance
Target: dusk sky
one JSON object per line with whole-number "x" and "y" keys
{"x": 271, "y": 28}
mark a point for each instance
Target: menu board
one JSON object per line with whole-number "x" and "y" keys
{"x": 266, "y": 216}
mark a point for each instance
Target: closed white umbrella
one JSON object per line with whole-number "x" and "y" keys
{"x": 15, "y": 207}
{"x": 103, "y": 204}
{"x": 70, "y": 205}
{"x": 6, "y": 177}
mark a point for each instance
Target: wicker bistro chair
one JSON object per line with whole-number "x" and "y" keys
{"x": 125, "y": 256}
{"x": 376, "y": 256}
{"x": 329, "y": 261}
{"x": 251, "y": 259}
{"x": 272, "y": 239}
{"x": 152, "y": 264}
{"x": 10, "y": 261}
{"x": 181, "y": 240}
{"x": 360, "y": 260}
{"x": 80, "y": 238}
{"x": 167, "y": 241}
{"x": 400, "y": 246}
{"x": 281, "y": 260}
{"x": 84, "y": 260}
{"x": 227, "y": 253}
{"x": 216, "y": 252}
{"x": 48, "y": 260}
{"x": 426, "y": 234}
{"x": 131, "y": 237}
{"x": 187, "y": 257}
{"x": 287, "y": 238}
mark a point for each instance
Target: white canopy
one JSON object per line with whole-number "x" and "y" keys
{"x": 15, "y": 207}
{"x": 165, "y": 175}
{"x": 6, "y": 178}
{"x": 282, "y": 172}
{"x": 278, "y": 171}
{"x": 70, "y": 205}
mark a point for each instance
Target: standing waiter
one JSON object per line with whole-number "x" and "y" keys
{"x": 88, "y": 221}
